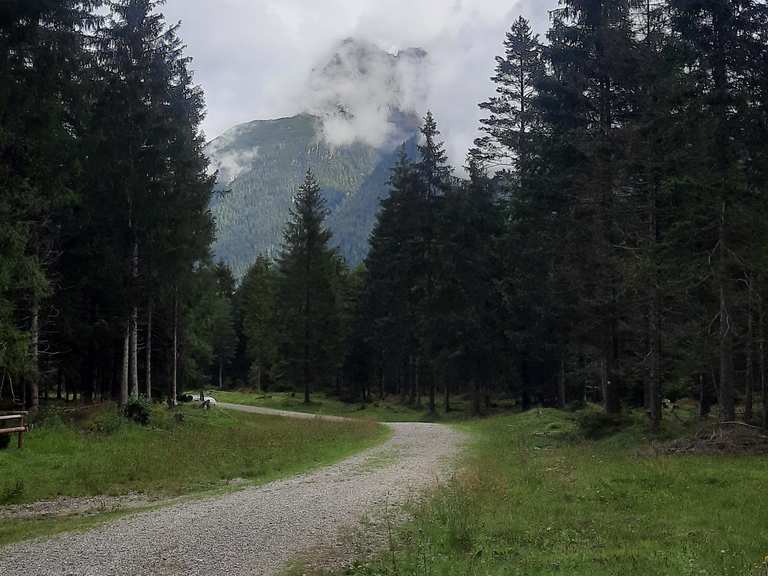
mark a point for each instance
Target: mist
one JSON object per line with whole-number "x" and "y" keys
{"x": 259, "y": 59}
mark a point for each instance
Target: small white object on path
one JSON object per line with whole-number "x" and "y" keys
{"x": 256, "y": 531}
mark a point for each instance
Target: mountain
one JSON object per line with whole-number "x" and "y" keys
{"x": 349, "y": 137}
{"x": 263, "y": 162}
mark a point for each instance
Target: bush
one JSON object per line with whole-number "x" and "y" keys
{"x": 139, "y": 410}
{"x": 596, "y": 424}
{"x": 107, "y": 421}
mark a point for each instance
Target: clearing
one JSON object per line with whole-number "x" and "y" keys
{"x": 256, "y": 530}
{"x": 538, "y": 497}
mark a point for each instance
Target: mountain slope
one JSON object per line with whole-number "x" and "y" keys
{"x": 262, "y": 163}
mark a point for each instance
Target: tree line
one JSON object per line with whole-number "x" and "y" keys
{"x": 607, "y": 245}
{"x": 104, "y": 194}
{"x": 607, "y": 242}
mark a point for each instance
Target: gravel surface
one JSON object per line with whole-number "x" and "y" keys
{"x": 255, "y": 531}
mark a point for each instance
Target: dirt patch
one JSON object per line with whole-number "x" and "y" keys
{"x": 62, "y": 507}
{"x": 734, "y": 438}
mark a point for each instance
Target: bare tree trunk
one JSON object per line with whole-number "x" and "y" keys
{"x": 34, "y": 380}
{"x": 726, "y": 392}
{"x": 126, "y": 364}
{"x": 172, "y": 391}
{"x": 561, "y": 391}
{"x": 761, "y": 358}
{"x": 703, "y": 403}
{"x": 134, "y": 351}
{"x": 749, "y": 353}
{"x": 417, "y": 382}
{"x": 221, "y": 373}
{"x": 476, "y": 395}
{"x": 432, "y": 388}
{"x": 148, "y": 377}
{"x": 447, "y": 403}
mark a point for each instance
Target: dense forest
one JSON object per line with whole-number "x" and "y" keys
{"x": 607, "y": 244}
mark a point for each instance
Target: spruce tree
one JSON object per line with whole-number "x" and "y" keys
{"x": 511, "y": 113}
{"x": 308, "y": 314}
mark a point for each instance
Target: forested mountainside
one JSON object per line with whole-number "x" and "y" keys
{"x": 263, "y": 162}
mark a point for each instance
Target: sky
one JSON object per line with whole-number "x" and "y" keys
{"x": 254, "y": 58}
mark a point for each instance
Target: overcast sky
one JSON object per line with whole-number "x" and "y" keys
{"x": 253, "y": 57}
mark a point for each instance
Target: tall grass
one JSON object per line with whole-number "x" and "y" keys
{"x": 537, "y": 499}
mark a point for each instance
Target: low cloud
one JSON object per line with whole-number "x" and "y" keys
{"x": 253, "y": 58}
{"x": 359, "y": 90}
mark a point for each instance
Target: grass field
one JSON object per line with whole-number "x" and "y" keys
{"x": 535, "y": 498}
{"x": 378, "y": 410}
{"x": 98, "y": 453}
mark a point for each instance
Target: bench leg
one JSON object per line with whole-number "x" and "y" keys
{"x": 21, "y": 440}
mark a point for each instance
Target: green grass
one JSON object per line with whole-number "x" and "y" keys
{"x": 535, "y": 499}
{"x": 97, "y": 453}
{"x": 378, "y": 410}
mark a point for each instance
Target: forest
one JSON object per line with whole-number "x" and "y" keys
{"x": 605, "y": 241}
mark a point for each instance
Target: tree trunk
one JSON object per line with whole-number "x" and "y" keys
{"x": 612, "y": 386}
{"x": 134, "y": 352}
{"x": 173, "y": 382}
{"x": 476, "y": 395}
{"x": 561, "y": 389}
{"x": 148, "y": 377}
{"x": 432, "y": 388}
{"x": 126, "y": 364}
{"x": 34, "y": 379}
{"x": 761, "y": 358}
{"x": 726, "y": 391}
{"x": 417, "y": 381}
{"x": 447, "y": 403}
{"x": 221, "y": 373}
{"x": 749, "y": 354}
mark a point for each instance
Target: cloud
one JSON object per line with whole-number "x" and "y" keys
{"x": 357, "y": 89}
{"x": 254, "y": 57}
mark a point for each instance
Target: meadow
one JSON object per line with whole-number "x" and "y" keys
{"x": 536, "y": 497}
{"x": 94, "y": 451}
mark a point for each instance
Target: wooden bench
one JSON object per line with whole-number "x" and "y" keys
{"x": 14, "y": 424}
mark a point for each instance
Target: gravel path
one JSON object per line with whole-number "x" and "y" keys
{"x": 256, "y": 531}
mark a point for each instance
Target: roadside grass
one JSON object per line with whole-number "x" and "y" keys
{"x": 377, "y": 410}
{"x": 536, "y": 498}
{"x": 99, "y": 453}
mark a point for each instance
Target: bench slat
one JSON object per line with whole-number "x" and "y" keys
{"x": 14, "y": 417}
{"x": 12, "y": 430}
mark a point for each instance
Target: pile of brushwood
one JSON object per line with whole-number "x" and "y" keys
{"x": 724, "y": 438}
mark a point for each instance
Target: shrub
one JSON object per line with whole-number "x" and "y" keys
{"x": 139, "y": 410}
{"x": 106, "y": 421}
{"x": 596, "y": 424}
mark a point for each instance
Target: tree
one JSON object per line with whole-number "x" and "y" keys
{"x": 308, "y": 317}
{"x": 434, "y": 175}
{"x": 512, "y": 113}
{"x": 257, "y": 299}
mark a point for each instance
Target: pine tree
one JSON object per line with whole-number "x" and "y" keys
{"x": 257, "y": 299}
{"x": 512, "y": 113}
{"x": 434, "y": 176}
{"x": 394, "y": 265}
{"x": 307, "y": 302}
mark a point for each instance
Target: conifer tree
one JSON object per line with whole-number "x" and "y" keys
{"x": 256, "y": 297}
{"x": 511, "y": 113}
{"x": 307, "y": 302}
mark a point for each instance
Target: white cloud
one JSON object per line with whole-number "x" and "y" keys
{"x": 253, "y": 57}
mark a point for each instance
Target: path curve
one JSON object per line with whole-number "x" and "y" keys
{"x": 284, "y": 413}
{"x": 255, "y": 531}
